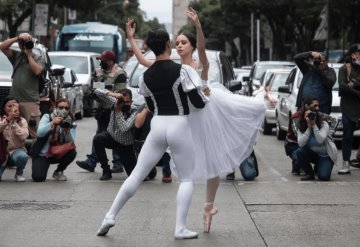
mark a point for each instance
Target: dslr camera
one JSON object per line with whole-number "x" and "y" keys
{"x": 317, "y": 61}
{"x": 28, "y": 45}
{"x": 67, "y": 124}
{"x": 120, "y": 102}
{"x": 312, "y": 115}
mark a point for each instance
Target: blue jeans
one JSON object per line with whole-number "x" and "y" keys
{"x": 323, "y": 163}
{"x": 102, "y": 124}
{"x": 19, "y": 159}
{"x": 165, "y": 162}
{"x": 348, "y": 136}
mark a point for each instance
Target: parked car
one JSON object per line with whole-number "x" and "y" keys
{"x": 259, "y": 68}
{"x": 286, "y": 105}
{"x": 221, "y": 72}
{"x": 84, "y": 65}
{"x": 277, "y": 78}
{"x": 71, "y": 89}
{"x": 6, "y": 69}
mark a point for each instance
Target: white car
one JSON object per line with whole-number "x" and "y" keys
{"x": 286, "y": 105}
{"x": 84, "y": 65}
{"x": 277, "y": 78}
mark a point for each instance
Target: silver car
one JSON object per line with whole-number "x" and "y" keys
{"x": 84, "y": 65}
{"x": 277, "y": 78}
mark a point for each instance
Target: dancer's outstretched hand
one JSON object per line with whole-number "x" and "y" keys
{"x": 191, "y": 13}
{"x": 130, "y": 28}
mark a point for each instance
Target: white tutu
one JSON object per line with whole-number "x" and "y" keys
{"x": 224, "y": 132}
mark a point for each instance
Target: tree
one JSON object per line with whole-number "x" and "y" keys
{"x": 15, "y": 12}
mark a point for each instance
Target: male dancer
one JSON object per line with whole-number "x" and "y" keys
{"x": 169, "y": 90}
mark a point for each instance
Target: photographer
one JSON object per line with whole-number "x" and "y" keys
{"x": 349, "y": 91}
{"x": 315, "y": 146}
{"x": 318, "y": 79}
{"x": 119, "y": 135}
{"x": 25, "y": 79}
{"x": 114, "y": 78}
{"x": 57, "y": 127}
{"x": 14, "y": 130}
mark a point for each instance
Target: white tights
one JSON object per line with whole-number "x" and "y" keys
{"x": 172, "y": 131}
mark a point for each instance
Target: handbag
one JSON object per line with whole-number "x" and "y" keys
{"x": 60, "y": 150}
{"x": 249, "y": 167}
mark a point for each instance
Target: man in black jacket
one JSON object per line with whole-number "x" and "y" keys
{"x": 318, "y": 79}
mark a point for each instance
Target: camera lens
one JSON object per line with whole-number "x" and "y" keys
{"x": 311, "y": 115}
{"x": 29, "y": 45}
{"x": 317, "y": 62}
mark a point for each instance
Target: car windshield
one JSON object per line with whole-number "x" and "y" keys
{"x": 279, "y": 80}
{"x": 261, "y": 68}
{"x": 95, "y": 42}
{"x": 77, "y": 63}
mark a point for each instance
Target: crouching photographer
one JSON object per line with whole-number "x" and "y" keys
{"x": 119, "y": 135}
{"x": 315, "y": 143}
{"x": 55, "y": 142}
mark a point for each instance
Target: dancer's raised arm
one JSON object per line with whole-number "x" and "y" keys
{"x": 130, "y": 31}
{"x": 191, "y": 13}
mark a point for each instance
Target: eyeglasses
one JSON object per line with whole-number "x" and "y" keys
{"x": 63, "y": 107}
{"x": 316, "y": 105}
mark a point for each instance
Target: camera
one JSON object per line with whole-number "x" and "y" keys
{"x": 312, "y": 115}
{"x": 317, "y": 61}
{"x": 120, "y": 102}
{"x": 28, "y": 45}
{"x": 67, "y": 124}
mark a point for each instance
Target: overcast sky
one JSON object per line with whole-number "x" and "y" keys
{"x": 161, "y": 9}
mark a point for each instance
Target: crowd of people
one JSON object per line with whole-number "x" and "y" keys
{"x": 181, "y": 109}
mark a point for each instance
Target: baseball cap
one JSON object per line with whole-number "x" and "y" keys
{"x": 106, "y": 56}
{"x": 354, "y": 48}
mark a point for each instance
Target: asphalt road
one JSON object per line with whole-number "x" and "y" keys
{"x": 276, "y": 209}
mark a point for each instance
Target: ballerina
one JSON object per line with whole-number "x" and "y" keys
{"x": 226, "y": 128}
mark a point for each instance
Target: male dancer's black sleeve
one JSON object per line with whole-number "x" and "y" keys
{"x": 150, "y": 104}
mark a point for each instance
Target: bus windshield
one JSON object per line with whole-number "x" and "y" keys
{"x": 92, "y": 42}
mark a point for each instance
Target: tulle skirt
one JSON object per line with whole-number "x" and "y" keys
{"x": 224, "y": 132}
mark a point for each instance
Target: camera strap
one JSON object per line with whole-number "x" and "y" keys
{"x": 18, "y": 60}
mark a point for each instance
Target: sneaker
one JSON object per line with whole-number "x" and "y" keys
{"x": 59, "y": 176}
{"x": 106, "y": 176}
{"x": 355, "y": 163}
{"x": 345, "y": 168}
{"x": 117, "y": 169}
{"x": 19, "y": 178}
{"x": 230, "y": 176}
{"x": 84, "y": 165}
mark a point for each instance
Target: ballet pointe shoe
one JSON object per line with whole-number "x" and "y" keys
{"x": 105, "y": 226}
{"x": 209, "y": 211}
{"x": 185, "y": 234}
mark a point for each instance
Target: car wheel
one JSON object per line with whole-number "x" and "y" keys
{"x": 267, "y": 128}
{"x": 280, "y": 134}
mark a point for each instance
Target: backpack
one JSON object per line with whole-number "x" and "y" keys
{"x": 39, "y": 143}
{"x": 249, "y": 167}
